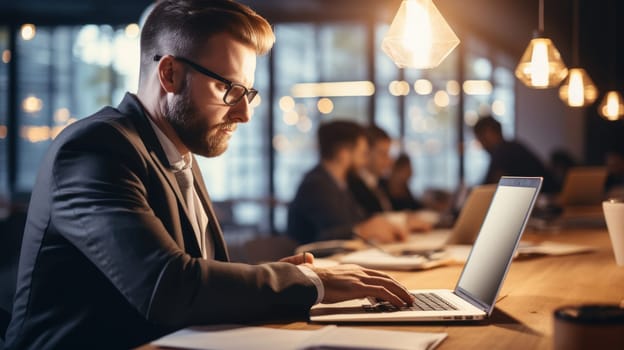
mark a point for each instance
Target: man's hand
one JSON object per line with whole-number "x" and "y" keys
{"x": 379, "y": 229}
{"x": 303, "y": 258}
{"x": 344, "y": 282}
{"x": 416, "y": 224}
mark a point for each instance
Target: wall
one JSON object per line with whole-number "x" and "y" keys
{"x": 545, "y": 123}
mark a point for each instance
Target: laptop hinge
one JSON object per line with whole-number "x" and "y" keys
{"x": 475, "y": 302}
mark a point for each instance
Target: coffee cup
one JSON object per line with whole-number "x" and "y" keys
{"x": 614, "y": 217}
{"x": 588, "y": 327}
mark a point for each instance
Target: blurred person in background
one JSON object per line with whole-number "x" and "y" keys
{"x": 560, "y": 162}
{"x": 365, "y": 182}
{"x": 396, "y": 185}
{"x": 324, "y": 208}
{"x": 509, "y": 158}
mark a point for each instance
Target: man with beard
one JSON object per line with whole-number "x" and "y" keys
{"x": 121, "y": 243}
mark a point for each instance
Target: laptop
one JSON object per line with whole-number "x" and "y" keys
{"x": 482, "y": 276}
{"x": 583, "y": 186}
{"x": 465, "y": 229}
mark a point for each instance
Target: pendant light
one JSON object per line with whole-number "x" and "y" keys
{"x": 578, "y": 90}
{"x": 541, "y": 65}
{"x": 612, "y": 106}
{"x": 419, "y": 37}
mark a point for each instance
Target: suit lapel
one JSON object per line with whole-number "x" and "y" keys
{"x": 131, "y": 107}
{"x": 187, "y": 231}
{"x": 216, "y": 233}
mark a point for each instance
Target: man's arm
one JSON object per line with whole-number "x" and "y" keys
{"x": 100, "y": 204}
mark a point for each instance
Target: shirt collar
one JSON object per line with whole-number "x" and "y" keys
{"x": 368, "y": 178}
{"x": 176, "y": 160}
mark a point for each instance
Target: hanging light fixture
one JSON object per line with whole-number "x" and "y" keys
{"x": 578, "y": 90}
{"x": 541, "y": 65}
{"x": 419, "y": 37}
{"x": 612, "y": 106}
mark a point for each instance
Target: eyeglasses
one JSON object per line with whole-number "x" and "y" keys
{"x": 234, "y": 93}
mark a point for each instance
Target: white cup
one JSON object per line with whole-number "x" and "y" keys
{"x": 614, "y": 216}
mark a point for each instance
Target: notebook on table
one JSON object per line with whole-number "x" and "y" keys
{"x": 482, "y": 276}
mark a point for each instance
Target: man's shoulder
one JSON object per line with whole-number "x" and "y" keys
{"x": 98, "y": 126}
{"x": 315, "y": 182}
{"x": 510, "y": 150}
{"x": 317, "y": 172}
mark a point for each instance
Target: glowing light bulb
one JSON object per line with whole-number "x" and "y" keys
{"x": 418, "y": 37}
{"x": 612, "y": 106}
{"x": 575, "y": 90}
{"x": 539, "y": 65}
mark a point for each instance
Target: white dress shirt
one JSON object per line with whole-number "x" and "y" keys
{"x": 180, "y": 161}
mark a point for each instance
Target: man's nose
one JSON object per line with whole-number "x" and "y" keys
{"x": 241, "y": 112}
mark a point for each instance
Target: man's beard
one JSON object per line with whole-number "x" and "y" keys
{"x": 198, "y": 137}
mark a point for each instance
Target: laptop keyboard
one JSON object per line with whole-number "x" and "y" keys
{"x": 423, "y": 302}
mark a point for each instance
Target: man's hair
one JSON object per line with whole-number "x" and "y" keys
{"x": 487, "y": 122}
{"x": 181, "y": 28}
{"x": 336, "y": 135}
{"x": 375, "y": 134}
{"x": 403, "y": 160}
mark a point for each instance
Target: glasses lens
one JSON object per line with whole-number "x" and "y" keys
{"x": 234, "y": 94}
{"x": 251, "y": 95}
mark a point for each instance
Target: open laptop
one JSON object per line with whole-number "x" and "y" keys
{"x": 481, "y": 279}
{"x": 583, "y": 186}
{"x": 465, "y": 229}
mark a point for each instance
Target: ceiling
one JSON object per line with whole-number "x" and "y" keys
{"x": 507, "y": 24}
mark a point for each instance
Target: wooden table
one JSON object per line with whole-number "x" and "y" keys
{"x": 534, "y": 288}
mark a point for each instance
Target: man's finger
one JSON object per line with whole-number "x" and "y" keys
{"x": 390, "y": 285}
{"x": 382, "y": 293}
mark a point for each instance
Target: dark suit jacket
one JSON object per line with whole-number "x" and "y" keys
{"x": 321, "y": 210}
{"x": 512, "y": 158}
{"x": 109, "y": 258}
{"x": 365, "y": 197}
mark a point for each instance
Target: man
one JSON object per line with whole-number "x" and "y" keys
{"x": 323, "y": 207}
{"x": 121, "y": 244}
{"x": 508, "y": 158}
{"x": 365, "y": 182}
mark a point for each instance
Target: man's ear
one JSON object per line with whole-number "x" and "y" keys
{"x": 170, "y": 74}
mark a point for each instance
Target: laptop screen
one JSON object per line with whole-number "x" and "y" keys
{"x": 500, "y": 232}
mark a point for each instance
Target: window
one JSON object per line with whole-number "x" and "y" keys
{"x": 66, "y": 73}
{"x": 489, "y": 90}
{"x": 430, "y": 104}
{"x": 386, "y": 105}
{"x": 309, "y": 53}
{"x": 69, "y": 72}
{"x": 238, "y": 180}
{"x": 5, "y": 58}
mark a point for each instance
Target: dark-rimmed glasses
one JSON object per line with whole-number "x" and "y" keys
{"x": 234, "y": 93}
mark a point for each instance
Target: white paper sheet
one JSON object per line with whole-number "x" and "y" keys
{"x": 233, "y": 337}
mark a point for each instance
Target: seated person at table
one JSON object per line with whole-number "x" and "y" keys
{"x": 396, "y": 185}
{"x": 121, "y": 244}
{"x": 323, "y": 207}
{"x": 365, "y": 182}
{"x": 509, "y": 158}
{"x": 560, "y": 163}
